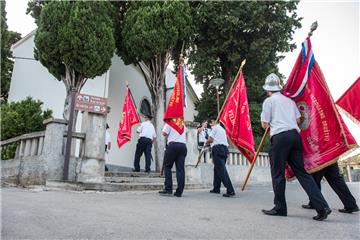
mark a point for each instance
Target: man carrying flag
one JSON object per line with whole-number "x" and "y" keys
{"x": 174, "y": 131}
{"x": 348, "y": 104}
{"x": 235, "y": 116}
{"x": 147, "y": 136}
{"x": 129, "y": 118}
{"x": 220, "y": 152}
{"x": 282, "y": 116}
{"x": 324, "y": 134}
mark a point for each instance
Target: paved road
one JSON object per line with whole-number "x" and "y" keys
{"x": 38, "y": 214}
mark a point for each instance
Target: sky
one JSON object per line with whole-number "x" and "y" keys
{"x": 335, "y": 43}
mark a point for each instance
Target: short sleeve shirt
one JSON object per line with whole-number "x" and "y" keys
{"x": 219, "y": 135}
{"x": 147, "y": 130}
{"x": 173, "y": 135}
{"x": 281, "y": 113}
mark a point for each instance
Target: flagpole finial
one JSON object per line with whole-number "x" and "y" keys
{"x": 127, "y": 83}
{"x": 313, "y": 27}
{"x": 242, "y": 64}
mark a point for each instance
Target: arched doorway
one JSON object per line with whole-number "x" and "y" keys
{"x": 145, "y": 107}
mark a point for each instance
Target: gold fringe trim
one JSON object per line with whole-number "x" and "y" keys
{"x": 349, "y": 115}
{"x": 328, "y": 163}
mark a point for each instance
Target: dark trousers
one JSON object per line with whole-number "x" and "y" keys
{"x": 143, "y": 146}
{"x": 287, "y": 146}
{"x": 175, "y": 153}
{"x": 337, "y": 183}
{"x": 220, "y": 154}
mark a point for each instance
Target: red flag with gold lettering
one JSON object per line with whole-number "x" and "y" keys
{"x": 349, "y": 102}
{"x": 174, "y": 114}
{"x": 324, "y": 135}
{"x": 236, "y": 119}
{"x": 129, "y": 118}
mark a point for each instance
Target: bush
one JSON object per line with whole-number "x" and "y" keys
{"x": 18, "y": 118}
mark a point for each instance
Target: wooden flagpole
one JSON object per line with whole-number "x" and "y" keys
{"x": 232, "y": 85}
{"x": 255, "y": 157}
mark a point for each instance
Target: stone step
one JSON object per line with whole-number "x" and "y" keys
{"x": 113, "y": 187}
{"x": 120, "y": 187}
{"x": 136, "y": 179}
{"x": 74, "y": 186}
{"x": 132, "y": 174}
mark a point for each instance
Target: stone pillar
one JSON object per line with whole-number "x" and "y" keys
{"x": 52, "y": 152}
{"x": 92, "y": 167}
{"x": 191, "y": 145}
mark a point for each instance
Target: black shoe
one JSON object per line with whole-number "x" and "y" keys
{"x": 322, "y": 214}
{"x": 176, "y": 194}
{"x": 215, "y": 191}
{"x": 274, "y": 212}
{"x": 147, "y": 171}
{"x": 230, "y": 194}
{"x": 307, "y": 206}
{"x": 134, "y": 170}
{"x": 165, "y": 193}
{"x": 349, "y": 210}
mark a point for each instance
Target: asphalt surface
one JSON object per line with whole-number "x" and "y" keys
{"x": 54, "y": 214}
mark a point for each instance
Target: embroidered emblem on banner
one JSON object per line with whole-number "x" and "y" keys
{"x": 305, "y": 115}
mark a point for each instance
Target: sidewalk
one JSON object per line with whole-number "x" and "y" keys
{"x": 38, "y": 214}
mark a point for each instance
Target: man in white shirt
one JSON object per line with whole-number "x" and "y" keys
{"x": 147, "y": 136}
{"x": 203, "y": 134}
{"x": 281, "y": 114}
{"x": 175, "y": 153}
{"x": 220, "y": 152}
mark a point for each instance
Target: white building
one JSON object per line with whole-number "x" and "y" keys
{"x": 30, "y": 78}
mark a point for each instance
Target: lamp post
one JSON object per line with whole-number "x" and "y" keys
{"x": 216, "y": 82}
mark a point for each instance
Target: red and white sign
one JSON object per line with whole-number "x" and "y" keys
{"x": 89, "y": 103}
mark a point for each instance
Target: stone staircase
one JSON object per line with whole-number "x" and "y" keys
{"x": 122, "y": 181}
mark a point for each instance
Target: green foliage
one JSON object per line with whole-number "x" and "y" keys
{"x": 78, "y": 35}
{"x": 230, "y": 31}
{"x": 7, "y": 39}
{"x": 35, "y": 7}
{"x": 255, "y": 111}
{"x": 153, "y": 28}
{"x": 18, "y": 118}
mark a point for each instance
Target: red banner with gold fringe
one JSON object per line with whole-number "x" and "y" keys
{"x": 129, "y": 118}
{"x": 324, "y": 135}
{"x": 236, "y": 119}
{"x": 174, "y": 114}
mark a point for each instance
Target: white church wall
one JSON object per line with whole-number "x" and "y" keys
{"x": 119, "y": 74}
{"x": 30, "y": 78}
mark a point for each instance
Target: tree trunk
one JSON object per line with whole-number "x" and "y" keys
{"x": 71, "y": 80}
{"x": 156, "y": 84}
{"x": 160, "y": 140}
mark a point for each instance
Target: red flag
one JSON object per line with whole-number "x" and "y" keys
{"x": 129, "y": 118}
{"x": 349, "y": 102}
{"x": 236, "y": 119}
{"x": 174, "y": 114}
{"x": 324, "y": 135}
